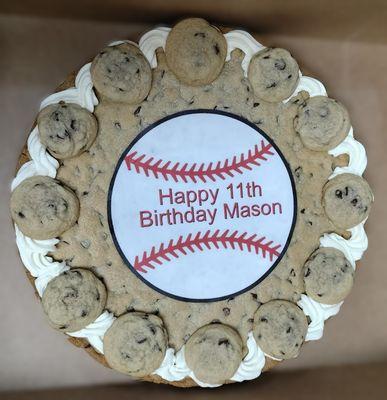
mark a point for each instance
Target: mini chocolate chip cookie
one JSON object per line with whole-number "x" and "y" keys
{"x": 328, "y": 276}
{"x": 43, "y": 208}
{"x": 74, "y": 300}
{"x": 122, "y": 73}
{"x": 66, "y": 129}
{"x": 135, "y": 344}
{"x": 347, "y": 200}
{"x": 280, "y": 328}
{"x": 214, "y": 353}
{"x": 195, "y": 51}
{"x": 322, "y": 123}
{"x": 273, "y": 74}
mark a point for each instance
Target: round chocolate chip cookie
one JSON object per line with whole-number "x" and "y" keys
{"x": 73, "y": 300}
{"x": 214, "y": 353}
{"x": 280, "y": 328}
{"x": 122, "y": 73}
{"x": 322, "y": 123}
{"x": 135, "y": 344}
{"x": 328, "y": 276}
{"x": 66, "y": 129}
{"x": 347, "y": 200}
{"x": 273, "y": 74}
{"x": 195, "y": 51}
{"x": 43, "y": 208}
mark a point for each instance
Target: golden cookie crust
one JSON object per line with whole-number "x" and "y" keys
{"x": 195, "y": 51}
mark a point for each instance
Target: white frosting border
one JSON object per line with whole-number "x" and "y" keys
{"x": 34, "y": 252}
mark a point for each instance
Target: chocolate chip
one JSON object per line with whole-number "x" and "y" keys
{"x": 298, "y": 172}
{"x": 307, "y": 273}
{"x": 137, "y": 110}
{"x": 288, "y": 330}
{"x": 226, "y": 311}
{"x": 84, "y": 313}
{"x": 272, "y": 85}
{"x": 354, "y": 202}
{"x": 85, "y": 244}
{"x": 117, "y": 125}
{"x": 77, "y": 273}
{"x": 255, "y": 105}
{"x": 226, "y": 342}
{"x": 216, "y": 48}
{"x": 200, "y": 34}
{"x": 21, "y": 215}
{"x": 142, "y": 340}
{"x": 152, "y": 329}
{"x": 280, "y": 64}
{"x": 263, "y": 319}
{"x": 339, "y": 194}
{"x": 302, "y": 211}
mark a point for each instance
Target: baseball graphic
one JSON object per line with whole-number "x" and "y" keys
{"x": 202, "y": 205}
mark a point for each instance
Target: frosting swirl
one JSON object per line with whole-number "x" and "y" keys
{"x": 95, "y": 331}
{"x": 151, "y": 41}
{"x": 318, "y": 314}
{"x": 33, "y": 254}
{"x": 252, "y": 365}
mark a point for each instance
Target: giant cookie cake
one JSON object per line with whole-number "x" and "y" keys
{"x": 191, "y": 208}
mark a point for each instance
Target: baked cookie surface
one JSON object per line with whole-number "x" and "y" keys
{"x": 273, "y": 74}
{"x": 73, "y": 300}
{"x": 328, "y": 276}
{"x": 214, "y": 353}
{"x": 347, "y": 200}
{"x": 122, "y": 73}
{"x": 43, "y": 208}
{"x": 280, "y": 328}
{"x": 193, "y": 69}
{"x": 322, "y": 123}
{"x": 195, "y": 51}
{"x": 135, "y": 344}
{"x": 66, "y": 129}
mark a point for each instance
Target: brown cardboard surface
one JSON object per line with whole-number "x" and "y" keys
{"x": 341, "y": 383}
{"x": 38, "y": 53}
{"x": 320, "y": 18}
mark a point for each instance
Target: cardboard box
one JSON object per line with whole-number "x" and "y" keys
{"x": 343, "y": 43}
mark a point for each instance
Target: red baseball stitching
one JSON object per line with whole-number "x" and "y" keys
{"x": 166, "y": 169}
{"x": 199, "y": 242}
